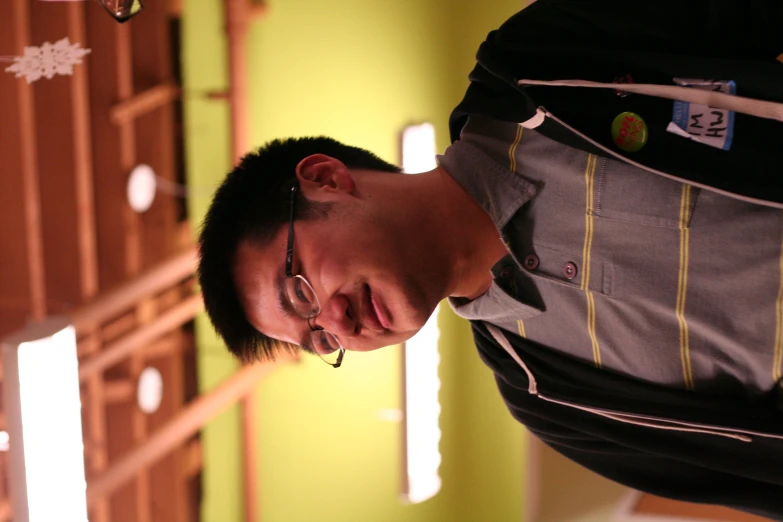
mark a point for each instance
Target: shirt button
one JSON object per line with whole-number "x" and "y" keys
{"x": 569, "y": 270}
{"x": 531, "y": 262}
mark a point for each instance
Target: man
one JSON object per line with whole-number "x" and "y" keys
{"x": 617, "y": 250}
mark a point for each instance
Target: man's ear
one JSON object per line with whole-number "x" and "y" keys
{"x": 321, "y": 175}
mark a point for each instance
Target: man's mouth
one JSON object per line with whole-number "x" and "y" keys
{"x": 374, "y": 316}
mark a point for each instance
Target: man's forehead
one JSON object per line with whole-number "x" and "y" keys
{"x": 256, "y": 265}
{"x": 257, "y": 274}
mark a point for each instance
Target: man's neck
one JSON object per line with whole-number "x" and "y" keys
{"x": 468, "y": 236}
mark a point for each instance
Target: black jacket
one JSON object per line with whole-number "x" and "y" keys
{"x": 679, "y": 444}
{"x": 652, "y": 43}
{"x": 730, "y": 452}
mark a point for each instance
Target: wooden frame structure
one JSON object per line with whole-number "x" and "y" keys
{"x": 73, "y": 246}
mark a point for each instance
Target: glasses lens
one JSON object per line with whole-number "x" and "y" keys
{"x": 122, "y": 10}
{"x": 302, "y": 297}
{"x": 326, "y": 346}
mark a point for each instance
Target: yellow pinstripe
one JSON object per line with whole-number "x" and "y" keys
{"x": 521, "y": 328}
{"x": 592, "y": 161}
{"x": 512, "y": 150}
{"x": 777, "y": 363}
{"x": 512, "y": 165}
{"x": 682, "y": 288}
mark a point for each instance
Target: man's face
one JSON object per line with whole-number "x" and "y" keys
{"x": 368, "y": 268}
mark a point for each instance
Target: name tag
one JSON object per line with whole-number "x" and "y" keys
{"x": 707, "y": 125}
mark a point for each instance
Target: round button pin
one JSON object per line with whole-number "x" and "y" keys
{"x": 629, "y": 131}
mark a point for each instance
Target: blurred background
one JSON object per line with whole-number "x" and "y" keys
{"x": 105, "y": 175}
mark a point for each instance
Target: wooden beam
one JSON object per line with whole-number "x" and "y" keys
{"x": 118, "y": 226}
{"x": 119, "y": 390}
{"x": 236, "y": 12}
{"x": 249, "y": 457}
{"x": 65, "y": 164}
{"x": 168, "y": 346}
{"x": 139, "y": 427}
{"x": 185, "y": 239}
{"x": 83, "y": 168}
{"x": 116, "y": 328}
{"x": 145, "y": 314}
{"x": 128, "y": 110}
{"x": 172, "y": 296}
{"x": 96, "y": 428}
{"x": 172, "y": 368}
{"x": 14, "y": 269}
{"x": 155, "y": 128}
{"x": 174, "y": 8}
{"x": 179, "y": 429}
{"x": 194, "y": 459}
{"x": 88, "y": 345}
{"x": 32, "y": 210}
{"x": 124, "y": 70}
{"x": 120, "y": 350}
{"x": 122, "y": 298}
{"x": 113, "y": 147}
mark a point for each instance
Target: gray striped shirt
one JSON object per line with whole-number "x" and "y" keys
{"x": 628, "y": 270}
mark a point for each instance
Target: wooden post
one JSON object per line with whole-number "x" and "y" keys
{"x": 32, "y": 208}
{"x": 126, "y": 295}
{"x": 239, "y": 13}
{"x": 82, "y": 138}
{"x": 180, "y": 428}
{"x": 124, "y": 347}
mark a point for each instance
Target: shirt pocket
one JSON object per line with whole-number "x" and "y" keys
{"x": 544, "y": 264}
{"x": 632, "y": 195}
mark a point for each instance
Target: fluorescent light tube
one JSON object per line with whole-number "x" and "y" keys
{"x": 43, "y": 411}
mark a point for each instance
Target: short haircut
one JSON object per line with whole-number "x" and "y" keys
{"x": 252, "y": 204}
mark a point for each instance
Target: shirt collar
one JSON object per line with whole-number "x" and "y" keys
{"x": 495, "y": 306}
{"x": 498, "y": 190}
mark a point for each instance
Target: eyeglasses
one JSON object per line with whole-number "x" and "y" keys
{"x": 122, "y": 10}
{"x": 305, "y": 303}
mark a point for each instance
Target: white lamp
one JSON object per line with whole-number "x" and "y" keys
{"x": 422, "y": 412}
{"x": 422, "y": 407}
{"x": 43, "y": 411}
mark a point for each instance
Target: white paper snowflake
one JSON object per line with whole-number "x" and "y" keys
{"x": 48, "y": 60}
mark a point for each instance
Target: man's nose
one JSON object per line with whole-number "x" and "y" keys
{"x": 338, "y": 316}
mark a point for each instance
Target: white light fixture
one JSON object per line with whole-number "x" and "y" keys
{"x": 149, "y": 391}
{"x": 418, "y": 148}
{"x": 422, "y": 434}
{"x": 141, "y": 189}
{"x": 422, "y": 412}
{"x": 43, "y": 412}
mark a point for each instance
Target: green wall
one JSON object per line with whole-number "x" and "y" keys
{"x": 357, "y": 70}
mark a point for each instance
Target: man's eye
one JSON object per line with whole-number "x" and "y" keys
{"x": 302, "y": 293}
{"x": 326, "y": 348}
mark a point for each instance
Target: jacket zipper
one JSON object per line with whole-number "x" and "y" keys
{"x": 542, "y": 111}
{"x": 649, "y": 421}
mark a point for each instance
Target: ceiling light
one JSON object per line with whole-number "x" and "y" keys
{"x": 43, "y": 412}
{"x": 142, "y": 185}
{"x": 149, "y": 392}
